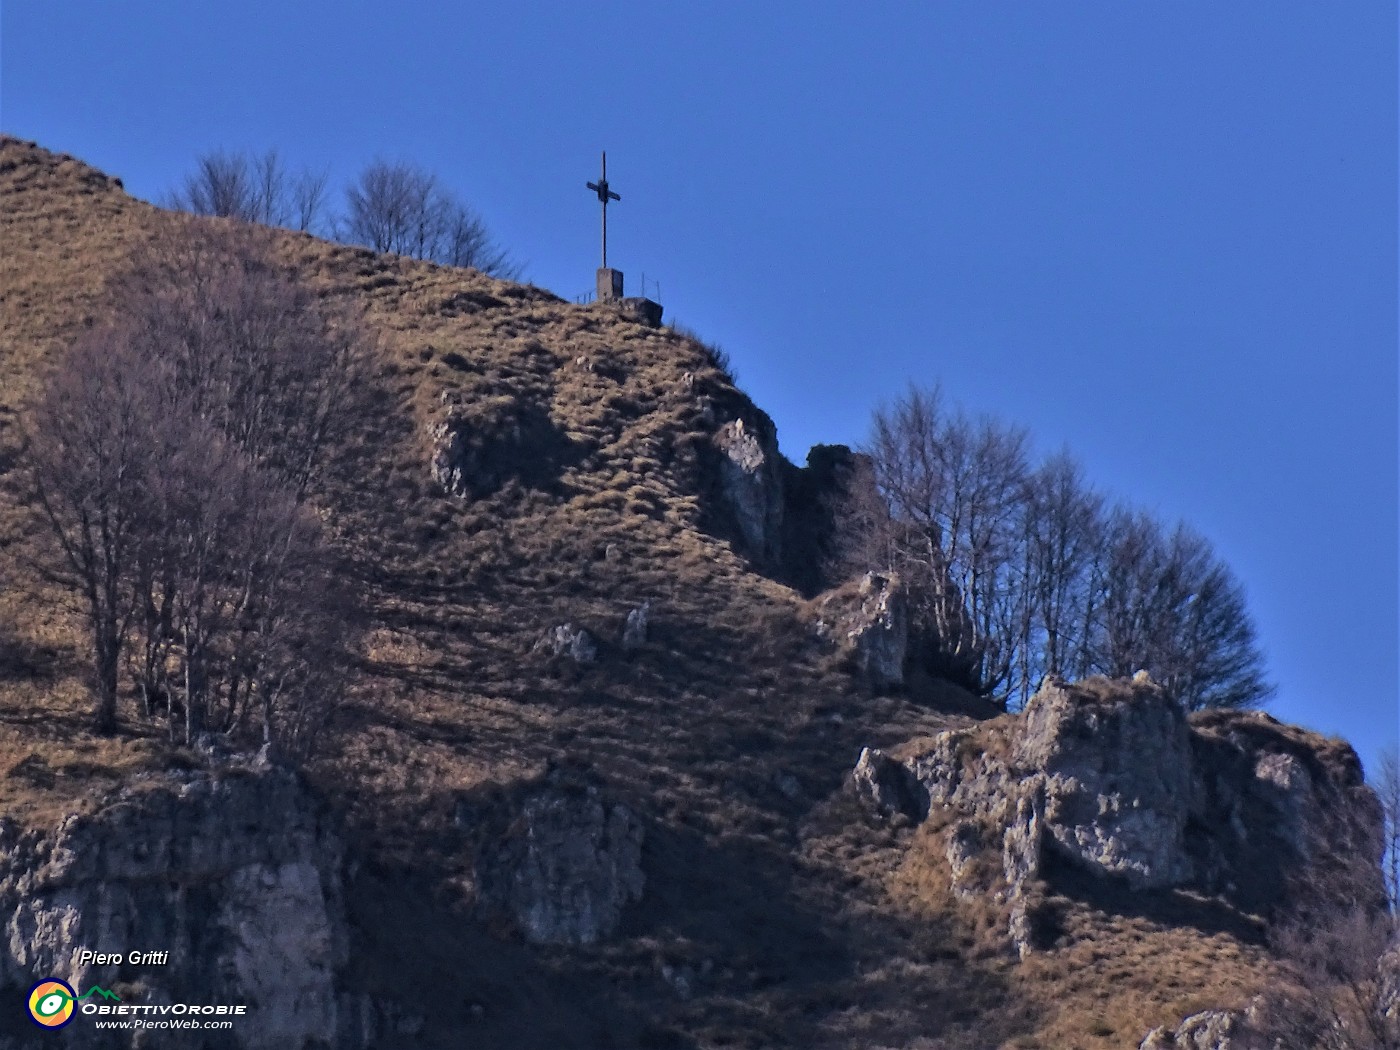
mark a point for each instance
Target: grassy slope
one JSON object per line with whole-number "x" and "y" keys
{"x": 807, "y": 923}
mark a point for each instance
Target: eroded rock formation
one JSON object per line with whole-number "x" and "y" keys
{"x": 869, "y": 619}
{"x": 234, "y": 873}
{"x": 1110, "y": 776}
{"x": 1209, "y": 1030}
{"x": 479, "y": 446}
{"x": 750, "y": 484}
{"x": 566, "y": 868}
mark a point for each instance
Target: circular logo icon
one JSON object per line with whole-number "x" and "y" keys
{"x": 51, "y": 1003}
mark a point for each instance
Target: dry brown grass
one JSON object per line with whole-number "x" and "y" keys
{"x": 786, "y": 904}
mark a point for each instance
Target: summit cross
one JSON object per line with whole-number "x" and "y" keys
{"x": 604, "y": 195}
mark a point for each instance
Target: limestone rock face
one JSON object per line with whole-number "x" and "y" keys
{"x": 567, "y": 868}
{"x": 1281, "y": 816}
{"x": 750, "y": 484}
{"x": 871, "y": 620}
{"x": 1118, "y": 781}
{"x": 234, "y": 874}
{"x": 1111, "y": 776}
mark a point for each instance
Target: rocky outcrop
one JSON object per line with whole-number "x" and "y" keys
{"x": 634, "y": 631}
{"x": 1110, "y": 776}
{"x": 889, "y": 784}
{"x": 479, "y": 446}
{"x": 750, "y": 486}
{"x": 233, "y": 872}
{"x": 641, "y": 310}
{"x": 566, "y": 868}
{"x": 1211, "y": 1030}
{"x": 566, "y": 640}
{"x": 1116, "y": 768}
{"x": 820, "y": 501}
{"x": 870, "y": 620}
{"x": 1281, "y": 817}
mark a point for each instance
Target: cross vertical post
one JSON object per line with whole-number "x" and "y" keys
{"x": 604, "y": 195}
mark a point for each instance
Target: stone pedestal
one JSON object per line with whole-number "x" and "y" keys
{"x": 609, "y": 284}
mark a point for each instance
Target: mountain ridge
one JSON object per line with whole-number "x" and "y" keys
{"x": 623, "y": 467}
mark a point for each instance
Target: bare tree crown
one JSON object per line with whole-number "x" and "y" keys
{"x": 1018, "y": 570}
{"x": 172, "y": 452}
{"x": 390, "y": 207}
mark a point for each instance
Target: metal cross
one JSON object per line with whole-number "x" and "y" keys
{"x": 604, "y": 195}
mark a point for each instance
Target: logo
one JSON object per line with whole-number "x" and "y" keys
{"x": 51, "y": 1003}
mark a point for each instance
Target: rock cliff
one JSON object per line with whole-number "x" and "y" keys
{"x": 1112, "y": 778}
{"x": 566, "y": 868}
{"x": 233, "y": 872}
{"x": 751, "y": 487}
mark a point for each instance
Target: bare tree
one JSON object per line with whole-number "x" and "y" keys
{"x": 248, "y": 348}
{"x": 954, "y": 486}
{"x": 402, "y": 208}
{"x": 307, "y": 200}
{"x": 466, "y": 242}
{"x": 1064, "y": 520}
{"x": 243, "y": 579}
{"x": 89, "y": 461}
{"x": 1387, "y": 787}
{"x": 1016, "y": 572}
{"x": 1169, "y": 606}
{"x": 221, "y": 185}
{"x": 255, "y": 188}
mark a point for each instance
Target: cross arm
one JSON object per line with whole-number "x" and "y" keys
{"x": 604, "y": 194}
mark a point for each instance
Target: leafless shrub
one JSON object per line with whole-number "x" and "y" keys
{"x": 1343, "y": 991}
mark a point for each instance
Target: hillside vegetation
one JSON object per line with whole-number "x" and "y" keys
{"x": 793, "y": 915}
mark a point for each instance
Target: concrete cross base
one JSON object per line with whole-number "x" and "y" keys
{"x": 609, "y": 284}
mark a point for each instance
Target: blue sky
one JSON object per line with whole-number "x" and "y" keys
{"x": 1163, "y": 234}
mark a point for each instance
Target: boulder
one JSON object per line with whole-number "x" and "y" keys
{"x": 1116, "y": 766}
{"x": 889, "y": 784}
{"x": 480, "y": 445}
{"x": 1210, "y": 1030}
{"x": 642, "y": 311}
{"x": 567, "y": 867}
